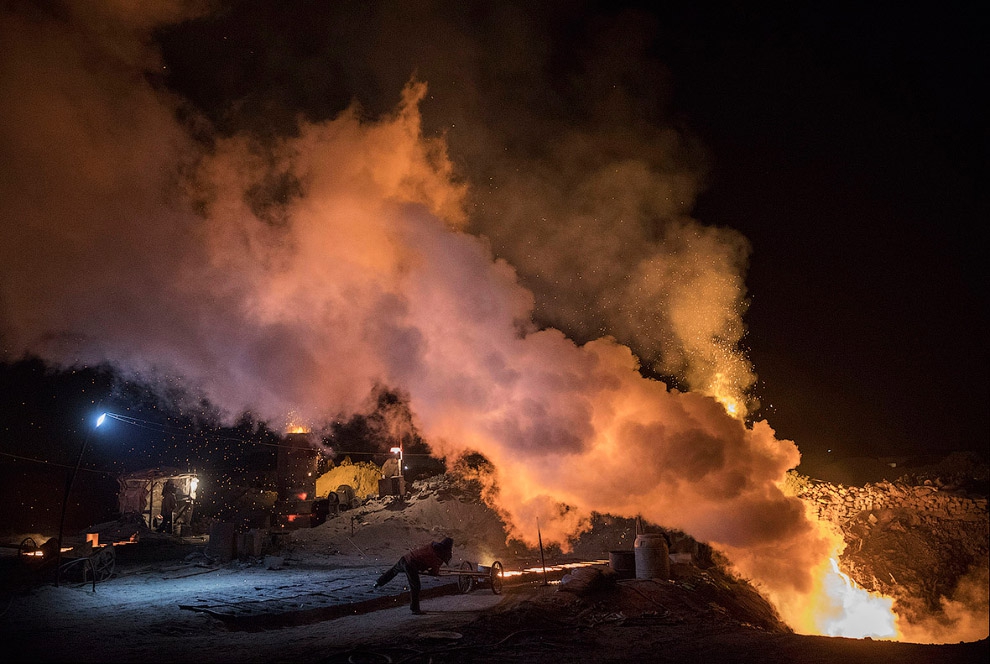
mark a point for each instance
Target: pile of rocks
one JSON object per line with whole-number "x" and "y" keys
{"x": 916, "y": 543}
{"x": 839, "y": 504}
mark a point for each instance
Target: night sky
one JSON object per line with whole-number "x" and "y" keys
{"x": 844, "y": 145}
{"x": 847, "y": 148}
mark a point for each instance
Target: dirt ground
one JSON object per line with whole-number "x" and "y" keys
{"x": 312, "y": 601}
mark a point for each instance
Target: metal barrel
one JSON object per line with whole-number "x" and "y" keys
{"x": 652, "y": 556}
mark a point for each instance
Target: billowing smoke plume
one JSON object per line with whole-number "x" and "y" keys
{"x": 291, "y": 277}
{"x": 580, "y": 181}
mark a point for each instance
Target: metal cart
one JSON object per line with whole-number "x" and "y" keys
{"x": 469, "y": 575}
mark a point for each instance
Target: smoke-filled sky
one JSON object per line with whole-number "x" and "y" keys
{"x": 789, "y": 194}
{"x": 510, "y": 216}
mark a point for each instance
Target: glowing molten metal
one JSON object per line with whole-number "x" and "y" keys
{"x": 844, "y": 609}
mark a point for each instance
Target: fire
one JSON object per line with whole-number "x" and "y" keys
{"x": 731, "y": 407}
{"x": 832, "y": 604}
{"x": 845, "y": 609}
{"x": 726, "y": 393}
{"x": 296, "y": 429}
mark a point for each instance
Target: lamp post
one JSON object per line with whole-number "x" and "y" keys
{"x": 65, "y": 496}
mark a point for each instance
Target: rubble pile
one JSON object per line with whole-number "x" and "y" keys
{"x": 840, "y": 504}
{"x": 923, "y": 544}
{"x": 446, "y": 487}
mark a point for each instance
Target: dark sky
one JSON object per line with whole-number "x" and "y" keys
{"x": 844, "y": 144}
{"x": 848, "y": 149}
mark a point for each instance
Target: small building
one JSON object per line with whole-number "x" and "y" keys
{"x": 141, "y": 494}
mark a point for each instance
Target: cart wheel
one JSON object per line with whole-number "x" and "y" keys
{"x": 28, "y": 547}
{"x": 104, "y": 563}
{"x": 495, "y": 576}
{"x": 465, "y": 582}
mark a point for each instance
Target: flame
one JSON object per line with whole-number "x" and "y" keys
{"x": 296, "y": 429}
{"x": 842, "y": 608}
{"x": 731, "y": 407}
{"x": 724, "y": 391}
{"x": 832, "y": 604}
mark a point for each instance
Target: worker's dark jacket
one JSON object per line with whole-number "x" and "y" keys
{"x": 168, "y": 504}
{"x": 424, "y": 559}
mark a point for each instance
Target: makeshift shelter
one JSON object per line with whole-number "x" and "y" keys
{"x": 141, "y": 494}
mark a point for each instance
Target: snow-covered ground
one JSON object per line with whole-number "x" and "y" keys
{"x": 193, "y": 608}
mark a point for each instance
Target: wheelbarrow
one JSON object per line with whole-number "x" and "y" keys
{"x": 470, "y": 575}
{"x": 96, "y": 565}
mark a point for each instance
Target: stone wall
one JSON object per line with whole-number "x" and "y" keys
{"x": 839, "y": 504}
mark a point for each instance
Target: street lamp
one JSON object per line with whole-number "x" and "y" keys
{"x": 65, "y": 496}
